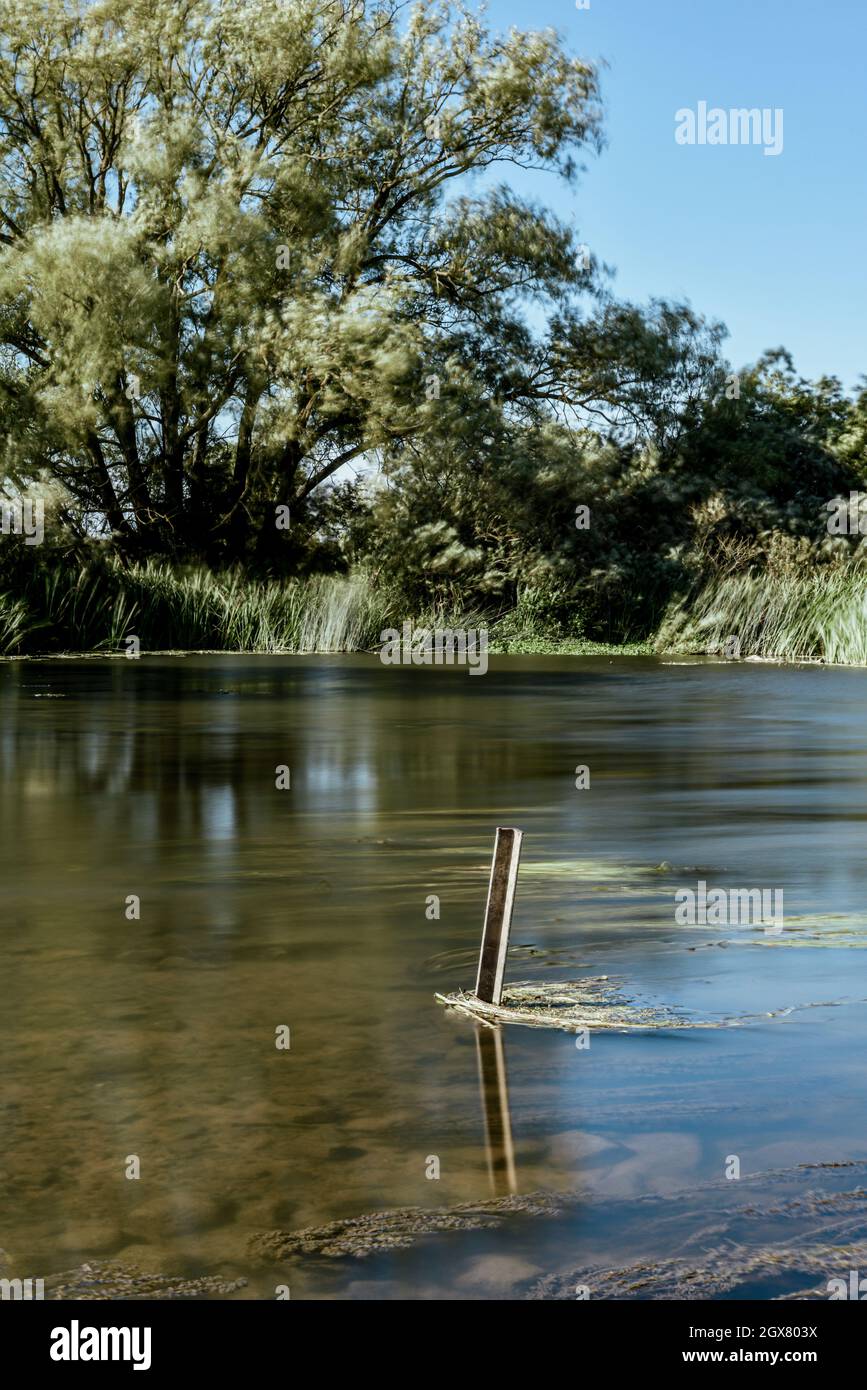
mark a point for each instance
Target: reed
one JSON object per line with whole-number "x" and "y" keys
{"x": 16, "y": 623}
{"x": 786, "y": 615}
{"x": 820, "y": 616}
{"x": 93, "y": 608}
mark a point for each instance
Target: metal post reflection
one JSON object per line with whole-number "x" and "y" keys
{"x": 495, "y": 1106}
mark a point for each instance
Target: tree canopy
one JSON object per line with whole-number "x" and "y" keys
{"x": 237, "y": 240}
{"x": 247, "y": 246}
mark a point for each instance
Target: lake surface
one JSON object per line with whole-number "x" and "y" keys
{"x": 310, "y": 909}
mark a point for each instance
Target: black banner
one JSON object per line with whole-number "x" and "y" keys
{"x": 158, "y": 1337}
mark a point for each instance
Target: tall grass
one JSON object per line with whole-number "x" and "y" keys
{"x": 786, "y": 614}
{"x": 73, "y": 601}
{"x": 95, "y": 607}
{"x": 16, "y": 623}
{"x": 820, "y": 615}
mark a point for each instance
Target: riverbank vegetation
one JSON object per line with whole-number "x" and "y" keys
{"x": 287, "y": 358}
{"x": 98, "y": 606}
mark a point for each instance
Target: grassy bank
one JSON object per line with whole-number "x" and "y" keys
{"x": 820, "y": 615}
{"x": 96, "y": 608}
{"x": 529, "y": 644}
{"x": 817, "y": 616}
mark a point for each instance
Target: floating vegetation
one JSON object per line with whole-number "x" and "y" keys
{"x": 602, "y": 876}
{"x": 597, "y": 1003}
{"x": 777, "y": 1237}
{"x": 722, "y": 1272}
{"x": 718, "y": 1256}
{"x": 815, "y": 931}
{"x": 657, "y": 881}
{"x": 121, "y": 1282}
{"x": 399, "y": 1228}
{"x": 819, "y": 930}
{"x": 572, "y": 1005}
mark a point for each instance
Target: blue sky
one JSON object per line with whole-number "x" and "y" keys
{"x": 773, "y": 246}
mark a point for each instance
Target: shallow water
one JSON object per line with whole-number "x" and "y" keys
{"x": 307, "y": 908}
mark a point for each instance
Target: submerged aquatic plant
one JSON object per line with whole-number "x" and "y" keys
{"x": 594, "y": 1002}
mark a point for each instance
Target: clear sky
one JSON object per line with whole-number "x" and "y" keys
{"x": 773, "y": 246}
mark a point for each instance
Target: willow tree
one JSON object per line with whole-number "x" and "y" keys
{"x": 238, "y": 248}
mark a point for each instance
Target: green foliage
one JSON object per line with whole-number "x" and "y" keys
{"x": 491, "y": 518}
{"x": 227, "y": 254}
{"x": 16, "y": 623}
{"x": 240, "y": 253}
{"x": 96, "y": 606}
{"x": 820, "y": 614}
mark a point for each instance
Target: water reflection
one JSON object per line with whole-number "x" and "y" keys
{"x": 494, "y": 1087}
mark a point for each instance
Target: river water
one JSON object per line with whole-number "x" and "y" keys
{"x": 142, "y": 1038}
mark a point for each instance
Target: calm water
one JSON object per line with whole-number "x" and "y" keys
{"x": 308, "y": 908}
